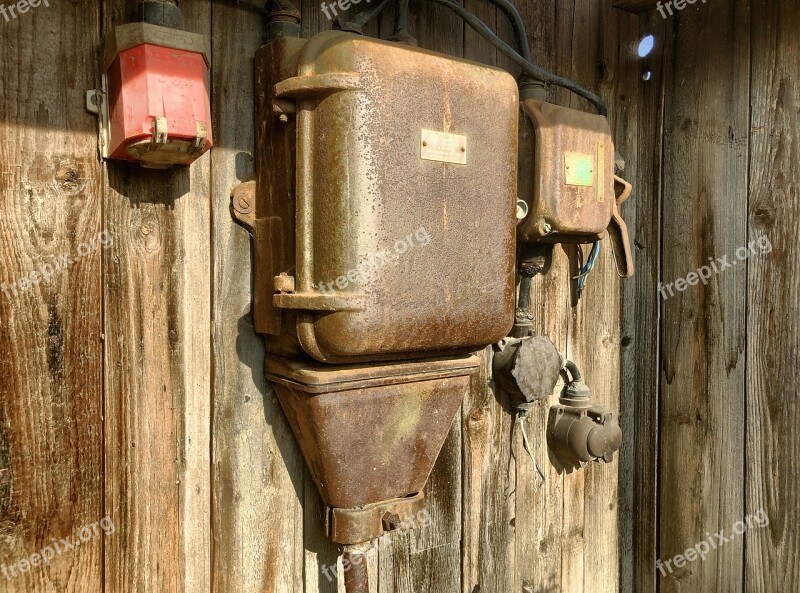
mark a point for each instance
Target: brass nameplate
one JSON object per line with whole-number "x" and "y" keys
{"x": 444, "y": 147}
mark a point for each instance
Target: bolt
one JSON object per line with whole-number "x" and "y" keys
{"x": 391, "y": 521}
{"x": 283, "y": 118}
{"x": 547, "y": 228}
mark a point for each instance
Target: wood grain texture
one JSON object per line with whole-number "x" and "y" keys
{"x": 158, "y": 367}
{"x": 637, "y": 5}
{"x": 640, "y": 127}
{"x": 703, "y": 363}
{"x": 607, "y": 62}
{"x": 540, "y": 505}
{"x": 773, "y": 294}
{"x": 50, "y": 332}
{"x": 257, "y": 468}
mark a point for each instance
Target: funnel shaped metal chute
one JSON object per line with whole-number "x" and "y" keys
{"x": 371, "y": 434}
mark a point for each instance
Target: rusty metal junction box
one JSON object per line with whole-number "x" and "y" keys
{"x": 569, "y": 183}
{"x": 384, "y": 217}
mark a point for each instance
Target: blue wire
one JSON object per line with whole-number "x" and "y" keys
{"x": 588, "y": 266}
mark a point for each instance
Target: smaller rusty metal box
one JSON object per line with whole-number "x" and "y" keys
{"x": 570, "y": 190}
{"x": 385, "y": 217}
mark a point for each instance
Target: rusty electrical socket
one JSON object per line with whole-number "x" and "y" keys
{"x": 578, "y": 431}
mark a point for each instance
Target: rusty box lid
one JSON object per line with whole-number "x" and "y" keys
{"x": 406, "y": 193}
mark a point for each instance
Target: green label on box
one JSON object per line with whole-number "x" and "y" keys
{"x": 579, "y": 169}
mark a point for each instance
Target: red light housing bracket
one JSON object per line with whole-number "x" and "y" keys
{"x": 154, "y": 106}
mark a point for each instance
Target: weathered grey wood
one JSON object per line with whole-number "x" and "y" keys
{"x": 158, "y": 367}
{"x": 640, "y": 125}
{"x": 703, "y": 362}
{"x": 258, "y": 469}
{"x": 608, "y": 63}
{"x": 773, "y": 292}
{"x": 540, "y": 505}
{"x": 50, "y": 332}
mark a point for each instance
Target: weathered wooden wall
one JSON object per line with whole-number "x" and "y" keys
{"x": 131, "y": 383}
{"x": 710, "y": 372}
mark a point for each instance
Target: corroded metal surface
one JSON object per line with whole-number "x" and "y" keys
{"x": 567, "y": 178}
{"x": 397, "y": 256}
{"x": 568, "y": 204}
{"x": 384, "y": 230}
{"x": 370, "y": 433}
{"x": 366, "y": 523}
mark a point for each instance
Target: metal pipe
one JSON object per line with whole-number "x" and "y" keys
{"x": 164, "y": 13}
{"x": 356, "y": 569}
{"x": 281, "y": 19}
{"x": 527, "y": 66}
{"x": 401, "y": 18}
{"x": 362, "y": 18}
{"x": 573, "y": 370}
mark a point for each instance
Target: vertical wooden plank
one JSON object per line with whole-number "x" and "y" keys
{"x": 773, "y": 413}
{"x": 703, "y": 367}
{"x": 158, "y": 362}
{"x": 258, "y": 470}
{"x": 50, "y": 329}
{"x": 583, "y": 339}
{"x": 638, "y": 133}
{"x": 541, "y": 504}
{"x": 604, "y": 50}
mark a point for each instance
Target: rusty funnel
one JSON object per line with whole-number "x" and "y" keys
{"x": 370, "y": 434}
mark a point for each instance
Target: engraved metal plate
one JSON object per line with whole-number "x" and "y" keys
{"x": 579, "y": 169}
{"x": 444, "y": 147}
{"x": 601, "y": 168}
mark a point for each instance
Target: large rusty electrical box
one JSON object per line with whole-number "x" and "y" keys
{"x": 392, "y": 217}
{"x": 384, "y": 221}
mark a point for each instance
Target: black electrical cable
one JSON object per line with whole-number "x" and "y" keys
{"x": 519, "y": 26}
{"x": 401, "y": 18}
{"x": 527, "y": 66}
{"x": 483, "y": 29}
{"x": 362, "y": 18}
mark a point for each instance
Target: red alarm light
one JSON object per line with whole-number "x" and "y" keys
{"x": 157, "y": 91}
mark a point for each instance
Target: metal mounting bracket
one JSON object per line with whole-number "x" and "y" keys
{"x": 97, "y": 103}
